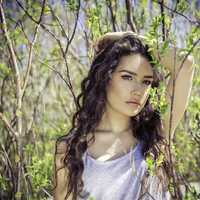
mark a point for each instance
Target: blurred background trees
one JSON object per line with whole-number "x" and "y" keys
{"x": 46, "y": 49}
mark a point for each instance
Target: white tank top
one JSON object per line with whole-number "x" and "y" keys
{"x": 118, "y": 179}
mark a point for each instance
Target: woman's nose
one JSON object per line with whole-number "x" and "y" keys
{"x": 137, "y": 87}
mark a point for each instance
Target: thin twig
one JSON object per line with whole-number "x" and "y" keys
{"x": 113, "y": 18}
{"x": 175, "y": 11}
{"x": 4, "y": 119}
{"x": 31, "y": 48}
{"x": 129, "y": 16}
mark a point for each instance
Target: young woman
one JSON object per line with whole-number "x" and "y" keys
{"x": 116, "y": 130}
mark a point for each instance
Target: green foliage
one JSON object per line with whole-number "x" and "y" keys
{"x": 4, "y": 70}
{"x": 91, "y": 198}
{"x": 158, "y": 98}
{"x": 153, "y": 37}
{"x": 18, "y": 37}
{"x": 40, "y": 170}
{"x": 72, "y": 5}
{"x": 34, "y": 8}
{"x": 185, "y": 163}
{"x": 153, "y": 34}
{"x": 93, "y": 20}
{"x": 182, "y": 6}
{"x": 3, "y": 184}
{"x": 160, "y": 160}
{"x": 191, "y": 39}
{"x": 192, "y": 194}
{"x": 150, "y": 165}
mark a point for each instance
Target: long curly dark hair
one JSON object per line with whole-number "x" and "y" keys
{"x": 146, "y": 125}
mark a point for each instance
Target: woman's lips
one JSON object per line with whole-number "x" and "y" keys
{"x": 132, "y": 103}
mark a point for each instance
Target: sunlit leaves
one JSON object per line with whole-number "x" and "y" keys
{"x": 182, "y": 6}
{"x": 39, "y": 171}
{"x": 3, "y": 184}
{"x": 18, "y": 195}
{"x": 4, "y": 70}
{"x": 93, "y": 20}
{"x": 158, "y": 98}
{"x": 34, "y": 8}
{"x": 192, "y": 37}
{"x": 72, "y": 5}
{"x": 150, "y": 165}
{"x": 18, "y": 36}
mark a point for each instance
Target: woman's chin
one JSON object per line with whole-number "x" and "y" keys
{"x": 132, "y": 113}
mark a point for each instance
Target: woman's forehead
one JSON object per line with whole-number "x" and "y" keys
{"x": 136, "y": 63}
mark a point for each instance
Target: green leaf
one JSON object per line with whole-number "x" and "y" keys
{"x": 18, "y": 195}
{"x": 4, "y": 70}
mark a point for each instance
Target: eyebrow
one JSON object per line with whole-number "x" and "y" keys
{"x": 133, "y": 73}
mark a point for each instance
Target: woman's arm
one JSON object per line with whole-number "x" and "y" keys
{"x": 183, "y": 75}
{"x": 60, "y": 174}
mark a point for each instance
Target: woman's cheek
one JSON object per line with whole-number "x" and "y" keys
{"x": 146, "y": 96}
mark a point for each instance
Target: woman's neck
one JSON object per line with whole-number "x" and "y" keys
{"x": 114, "y": 122}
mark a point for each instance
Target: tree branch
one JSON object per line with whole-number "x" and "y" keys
{"x": 175, "y": 11}
{"x": 129, "y": 16}
{"x": 113, "y": 19}
{"x": 31, "y": 49}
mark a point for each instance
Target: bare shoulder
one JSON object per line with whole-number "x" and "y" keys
{"x": 61, "y": 147}
{"x": 60, "y": 171}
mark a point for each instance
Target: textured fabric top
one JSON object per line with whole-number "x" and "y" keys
{"x": 118, "y": 179}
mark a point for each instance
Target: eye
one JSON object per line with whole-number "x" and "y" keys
{"x": 147, "y": 82}
{"x": 127, "y": 77}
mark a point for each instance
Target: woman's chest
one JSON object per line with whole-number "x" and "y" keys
{"x": 108, "y": 147}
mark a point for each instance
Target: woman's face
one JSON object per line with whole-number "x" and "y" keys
{"x": 130, "y": 82}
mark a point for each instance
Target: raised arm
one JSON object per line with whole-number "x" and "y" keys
{"x": 177, "y": 91}
{"x": 60, "y": 174}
